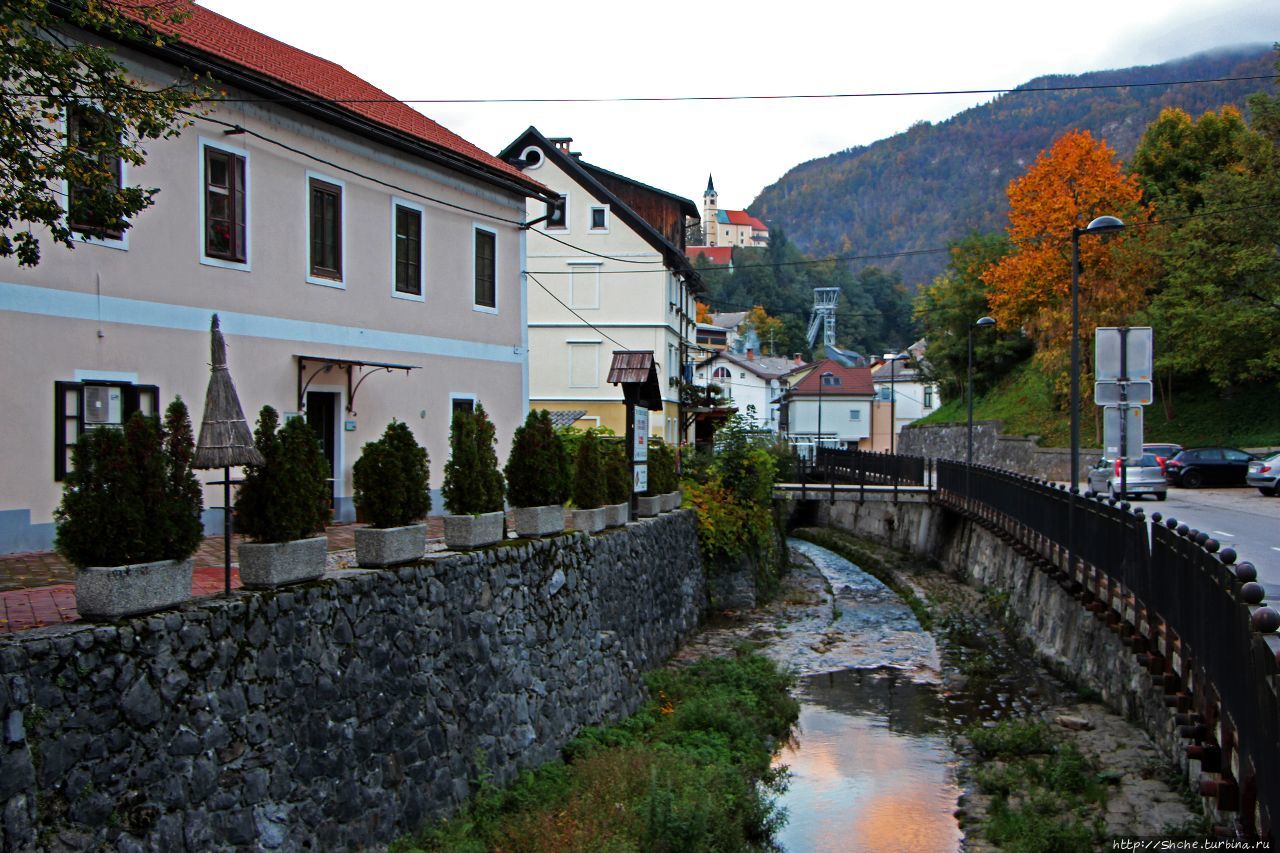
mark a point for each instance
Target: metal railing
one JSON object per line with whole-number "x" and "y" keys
{"x": 861, "y": 467}
{"x": 1192, "y": 616}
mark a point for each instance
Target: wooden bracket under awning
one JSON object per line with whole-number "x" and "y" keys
{"x": 325, "y": 364}
{"x": 637, "y": 373}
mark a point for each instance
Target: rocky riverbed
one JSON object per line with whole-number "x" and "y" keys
{"x": 884, "y": 756}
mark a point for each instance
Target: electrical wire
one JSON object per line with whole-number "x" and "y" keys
{"x": 573, "y": 312}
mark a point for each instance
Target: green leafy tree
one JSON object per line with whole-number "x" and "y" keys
{"x": 472, "y": 482}
{"x": 391, "y": 478}
{"x": 589, "y": 485}
{"x": 948, "y": 308}
{"x": 537, "y": 469}
{"x": 1176, "y": 154}
{"x": 288, "y": 497}
{"x": 55, "y": 81}
{"x": 184, "y": 497}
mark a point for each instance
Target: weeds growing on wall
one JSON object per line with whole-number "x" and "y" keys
{"x": 690, "y": 772}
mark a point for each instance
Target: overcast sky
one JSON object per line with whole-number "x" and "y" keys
{"x": 507, "y": 49}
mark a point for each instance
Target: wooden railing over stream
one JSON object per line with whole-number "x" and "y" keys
{"x": 1192, "y": 615}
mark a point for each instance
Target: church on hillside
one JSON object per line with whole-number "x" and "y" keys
{"x": 729, "y": 228}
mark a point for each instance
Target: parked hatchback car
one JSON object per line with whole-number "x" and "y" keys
{"x": 1264, "y": 475}
{"x": 1142, "y": 476}
{"x": 1164, "y": 451}
{"x": 1208, "y": 466}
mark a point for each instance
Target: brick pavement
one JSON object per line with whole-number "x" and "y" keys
{"x": 38, "y": 589}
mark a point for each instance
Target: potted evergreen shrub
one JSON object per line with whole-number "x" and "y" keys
{"x": 283, "y": 505}
{"x": 589, "y": 492}
{"x": 617, "y": 477}
{"x": 473, "y": 487}
{"x": 129, "y": 520}
{"x": 663, "y": 479}
{"x": 537, "y": 473}
{"x": 391, "y": 488}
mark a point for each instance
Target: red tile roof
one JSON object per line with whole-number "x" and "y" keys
{"x": 741, "y": 217}
{"x": 853, "y": 380}
{"x": 312, "y": 76}
{"x": 719, "y": 255}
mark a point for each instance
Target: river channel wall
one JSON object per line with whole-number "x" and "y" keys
{"x": 1066, "y": 636}
{"x": 340, "y": 713}
{"x": 1021, "y": 454}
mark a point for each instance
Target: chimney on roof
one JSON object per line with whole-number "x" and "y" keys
{"x": 797, "y": 358}
{"x": 751, "y": 354}
{"x": 562, "y": 142}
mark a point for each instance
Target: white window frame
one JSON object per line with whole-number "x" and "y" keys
{"x": 475, "y": 306}
{"x": 579, "y": 271}
{"x": 566, "y": 228}
{"x": 608, "y": 217}
{"x": 122, "y": 242}
{"x": 582, "y": 346}
{"x": 222, "y": 263}
{"x": 855, "y": 415}
{"x": 460, "y": 395}
{"x": 396, "y": 201}
{"x": 337, "y": 283}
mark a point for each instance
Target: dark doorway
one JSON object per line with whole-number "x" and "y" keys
{"x": 322, "y": 416}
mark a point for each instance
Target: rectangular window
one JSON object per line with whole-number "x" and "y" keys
{"x": 88, "y": 132}
{"x": 928, "y": 396}
{"x": 557, "y": 215}
{"x": 599, "y": 219}
{"x": 326, "y": 229}
{"x": 225, "y": 212}
{"x": 461, "y": 404}
{"x": 855, "y": 415}
{"x": 78, "y": 406}
{"x": 486, "y": 271}
{"x": 408, "y": 250}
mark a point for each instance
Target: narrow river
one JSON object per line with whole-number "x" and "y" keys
{"x": 871, "y": 766}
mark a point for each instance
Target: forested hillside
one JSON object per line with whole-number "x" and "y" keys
{"x": 934, "y": 184}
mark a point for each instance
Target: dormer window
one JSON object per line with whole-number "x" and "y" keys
{"x": 830, "y": 379}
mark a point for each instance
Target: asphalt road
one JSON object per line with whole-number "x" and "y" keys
{"x": 1241, "y": 518}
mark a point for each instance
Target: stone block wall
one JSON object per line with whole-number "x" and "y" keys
{"x": 340, "y": 713}
{"x": 992, "y": 447}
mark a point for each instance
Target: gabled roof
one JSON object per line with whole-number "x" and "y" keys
{"x": 766, "y": 367}
{"x": 686, "y": 206}
{"x": 740, "y": 217}
{"x": 718, "y": 255}
{"x": 241, "y": 57}
{"x": 853, "y": 381}
{"x": 582, "y": 173}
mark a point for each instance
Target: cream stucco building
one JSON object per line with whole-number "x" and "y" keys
{"x": 365, "y": 263}
{"x": 606, "y": 272}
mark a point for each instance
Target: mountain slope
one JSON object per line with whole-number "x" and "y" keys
{"x": 935, "y": 183}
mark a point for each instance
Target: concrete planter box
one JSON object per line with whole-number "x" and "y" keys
{"x": 617, "y": 515}
{"x": 464, "y": 532}
{"x": 110, "y": 592}
{"x": 589, "y": 520}
{"x": 670, "y": 501}
{"x": 270, "y": 564}
{"x": 532, "y": 521}
{"x": 647, "y": 506}
{"x": 388, "y": 546}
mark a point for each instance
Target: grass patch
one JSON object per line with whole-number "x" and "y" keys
{"x": 1011, "y": 739}
{"x": 864, "y": 558}
{"x": 689, "y": 771}
{"x": 1247, "y": 416}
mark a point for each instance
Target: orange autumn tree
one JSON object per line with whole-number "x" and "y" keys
{"x": 1077, "y": 180}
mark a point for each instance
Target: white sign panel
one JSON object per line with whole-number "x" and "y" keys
{"x": 640, "y": 445}
{"x": 641, "y": 482}
{"x": 1111, "y": 429}
{"x": 1108, "y": 393}
{"x": 1137, "y": 351}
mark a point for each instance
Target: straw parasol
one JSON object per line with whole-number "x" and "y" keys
{"x": 225, "y": 441}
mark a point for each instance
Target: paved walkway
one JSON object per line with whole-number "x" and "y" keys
{"x": 38, "y": 589}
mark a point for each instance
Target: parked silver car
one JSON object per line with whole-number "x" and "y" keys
{"x": 1143, "y": 476}
{"x": 1264, "y": 475}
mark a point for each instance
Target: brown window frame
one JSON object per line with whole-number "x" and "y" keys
{"x": 79, "y": 119}
{"x": 324, "y": 229}
{"x": 407, "y": 262}
{"x": 486, "y": 268}
{"x": 235, "y": 223}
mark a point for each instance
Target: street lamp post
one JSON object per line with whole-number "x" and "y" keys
{"x": 982, "y": 323}
{"x": 1101, "y": 225}
{"x": 893, "y": 396}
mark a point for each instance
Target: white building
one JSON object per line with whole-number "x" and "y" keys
{"x": 749, "y": 381}
{"x": 903, "y": 394}
{"x": 831, "y": 405}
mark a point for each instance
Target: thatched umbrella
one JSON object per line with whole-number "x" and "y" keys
{"x": 225, "y": 440}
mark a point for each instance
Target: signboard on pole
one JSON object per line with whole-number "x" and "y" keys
{"x": 1108, "y": 393}
{"x": 1122, "y": 353}
{"x": 641, "y": 479}
{"x": 640, "y": 439}
{"x": 1122, "y": 432}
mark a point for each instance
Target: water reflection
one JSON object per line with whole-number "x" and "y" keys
{"x": 871, "y": 770}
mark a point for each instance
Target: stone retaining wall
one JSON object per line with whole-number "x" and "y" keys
{"x": 340, "y": 713}
{"x": 992, "y": 447}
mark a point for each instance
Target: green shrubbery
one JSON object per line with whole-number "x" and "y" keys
{"x": 690, "y": 771}
{"x": 288, "y": 497}
{"x": 617, "y": 471}
{"x": 391, "y": 478}
{"x": 663, "y": 478}
{"x": 589, "y": 486}
{"x": 537, "y": 469}
{"x": 131, "y": 496}
{"x": 472, "y": 482}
